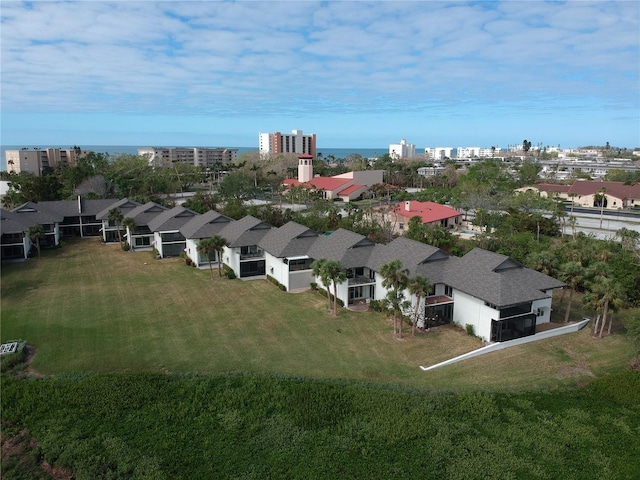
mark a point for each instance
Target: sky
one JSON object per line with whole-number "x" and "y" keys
{"x": 355, "y": 73}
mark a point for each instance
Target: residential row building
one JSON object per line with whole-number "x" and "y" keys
{"x": 591, "y": 193}
{"x": 296, "y": 142}
{"x": 493, "y": 294}
{"x": 38, "y": 160}
{"x": 402, "y": 150}
{"x": 205, "y": 157}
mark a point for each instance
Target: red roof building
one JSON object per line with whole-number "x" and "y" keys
{"x": 429, "y": 213}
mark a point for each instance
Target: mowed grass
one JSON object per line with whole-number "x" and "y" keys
{"x": 89, "y": 307}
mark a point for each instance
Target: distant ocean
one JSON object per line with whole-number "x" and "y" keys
{"x": 133, "y": 150}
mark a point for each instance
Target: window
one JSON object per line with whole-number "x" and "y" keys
{"x": 401, "y": 226}
{"x": 448, "y": 291}
{"x": 300, "y": 264}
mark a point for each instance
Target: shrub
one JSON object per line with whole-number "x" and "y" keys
{"x": 314, "y": 286}
{"x": 228, "y": 272}
{"x": 10, "y": 360}
{"x": 188, "y": 261}
{"x": 282, "y": 287}
{"x": 126, "y": 247}
{"x": 377, "y": 306}
{"x": 470, "y": 330}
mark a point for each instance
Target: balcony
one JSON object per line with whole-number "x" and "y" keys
{"x": 251, "y": 253}
{"x": 437, "y": 300}
{"x": 361, "y": 280}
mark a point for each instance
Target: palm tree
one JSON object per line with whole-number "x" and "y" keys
{"x": 336, "y": 274}
{"x": 601, "y": 198}
{"x": 130, "y": 224}
{"x": 544, "y": 261}
{"x": 317, "y": 267}
{"x": 418, "y": 286}
{"x": 605, "y": 292}
{"x": 36, "y": 233}
{"x": 115, "y": 217}
{"x": 395, "y": 279}
{"x": 206, "y": 247}
{"x": 572, "y": 273}
{"x": 218, "y": 246}
{"x": 254, "y": 168}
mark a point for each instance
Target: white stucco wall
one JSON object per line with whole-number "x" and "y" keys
{"x": 469, "y": 310}
{"x": 276, "y": 268}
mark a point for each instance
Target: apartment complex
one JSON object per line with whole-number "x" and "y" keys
{"x": 439, "y": 153}
{"x": 38, "y": 160}
{"x": 196, "y": 156}
{"x": 296, "y": 142}
{"x": 402, "y": 150}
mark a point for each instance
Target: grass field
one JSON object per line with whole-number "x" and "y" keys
{"x": 89, "y": 307}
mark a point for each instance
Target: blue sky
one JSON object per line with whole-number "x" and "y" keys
{"x": 358, "y": 74}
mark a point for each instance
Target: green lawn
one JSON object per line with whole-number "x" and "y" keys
{"x": 88, "y": 307}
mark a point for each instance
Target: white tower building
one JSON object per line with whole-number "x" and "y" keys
{"x": 305, "y": 168}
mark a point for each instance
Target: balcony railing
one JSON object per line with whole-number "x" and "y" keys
{"x": 247, "y": 255}
{"x": 361, "y": 281}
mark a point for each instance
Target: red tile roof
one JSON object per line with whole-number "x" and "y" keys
{"x": 328, "y": 183}
{"x": 616, "y": 189}
{"x": 428, "y": 211}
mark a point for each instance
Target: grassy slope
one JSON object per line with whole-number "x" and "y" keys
{"x": 92, "y": 308}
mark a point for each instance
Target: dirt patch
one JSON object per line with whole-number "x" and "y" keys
{"x": 28, "y": 359}
{"x": 20, "y": 457}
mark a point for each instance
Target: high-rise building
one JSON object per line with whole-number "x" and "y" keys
{"x": 39, "y": 159}
{"x": 402, "y": 150}
{"x": 195, "y": 156}
{"x": 297, "y": 142}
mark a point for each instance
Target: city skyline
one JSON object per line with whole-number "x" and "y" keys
{"x": 357, "y": 74}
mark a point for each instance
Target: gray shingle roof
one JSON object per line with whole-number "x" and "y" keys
{"x": 206, "y": 225}
{"x": 12, "y": 223}
{"x": 143, "y": 214}
{"x": 498, "y": 279}
{"x": 410, "y": 252}
{"x": 291, "y": 239}
{"x": 245, "y": 232}
{"x": 125, "y": 205}
{"x": 171, "y": 220}
{"x": 349, "y": 248}
{"x": 31, "y": 213}
{"x": 70, "y": 208}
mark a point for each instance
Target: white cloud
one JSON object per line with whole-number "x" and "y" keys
{"x": 248, "y": 58}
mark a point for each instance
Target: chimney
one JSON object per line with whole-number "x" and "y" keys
{"x": 407, "y": 206}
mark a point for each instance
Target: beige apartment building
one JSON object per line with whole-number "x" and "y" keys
{"x": 38, "y": 160}
{"x": 195, "y": 156}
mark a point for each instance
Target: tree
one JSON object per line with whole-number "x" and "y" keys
{"x": 395, "y": 280}
{"x": 317, "y": 267}
{"x": 206, "y": 247}
{"x": 130, "y": 224}
{"x": 600, "y": 200}
{"x": 544, "y": 261}
{"x": 115, "y": 216}
{"x": 630, "y": 240}
{"x": 36, "y": 233}
{"x": 571, "y": 273}
{"x": 526, "y": 145}
{"x": 219, "y": 243}
{"x": 418, "y": 286}
{"x": 336, "y": 274}
{"x": 604, "y": 293}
